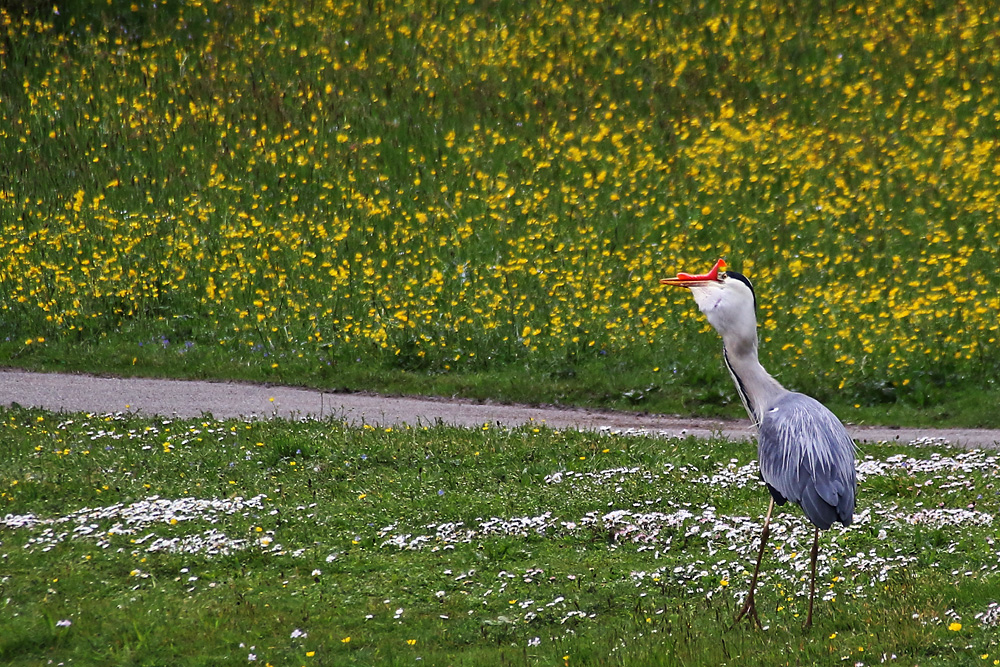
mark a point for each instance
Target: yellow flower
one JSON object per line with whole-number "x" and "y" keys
{"x": 955, "y": 627}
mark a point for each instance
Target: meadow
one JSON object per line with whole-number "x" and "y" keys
{"x": 477, "y": 198}
{"x": 129, "y": 541}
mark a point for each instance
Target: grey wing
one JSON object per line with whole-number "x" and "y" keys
{"x": 807, "y": 456}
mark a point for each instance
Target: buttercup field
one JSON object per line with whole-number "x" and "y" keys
{"x": 438, "y": 196}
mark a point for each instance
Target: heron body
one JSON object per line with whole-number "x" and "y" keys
{"x": 805, "y": 454}
{"x": 807, "y": 457}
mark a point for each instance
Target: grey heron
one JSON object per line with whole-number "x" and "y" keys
{"x": 805, "y": 453}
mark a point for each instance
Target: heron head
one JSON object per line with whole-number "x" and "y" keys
{"x": 726, "y": 297}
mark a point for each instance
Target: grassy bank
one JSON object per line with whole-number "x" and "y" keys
{"x": 436, "y": 195}
{"x": 130, "y": 541}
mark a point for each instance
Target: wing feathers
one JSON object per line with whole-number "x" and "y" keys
{"x": 806, "y": 456}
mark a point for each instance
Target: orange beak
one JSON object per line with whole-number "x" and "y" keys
{"x": 687, "y": 280}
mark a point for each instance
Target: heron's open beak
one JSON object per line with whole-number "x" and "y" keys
{"x": 687, "y": 280}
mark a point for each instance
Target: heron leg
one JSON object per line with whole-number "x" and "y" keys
{"x": 750, "y": 607}
{"x": 812, "y": 585}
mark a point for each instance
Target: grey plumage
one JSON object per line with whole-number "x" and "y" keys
{"x": 807, "y": 457}
{"x": 805, "y": 453}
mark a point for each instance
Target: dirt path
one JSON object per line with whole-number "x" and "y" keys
{"x": 183, "y": 398}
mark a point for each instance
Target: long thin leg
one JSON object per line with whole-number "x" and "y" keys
{"x": 749, "y": 606}
{"x": 812, "y": 585}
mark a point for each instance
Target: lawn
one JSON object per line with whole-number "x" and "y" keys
{"x": 131, "y": 541}
{"x": 477, "y": 198}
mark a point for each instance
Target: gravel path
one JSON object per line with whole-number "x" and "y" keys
{"x": 184, "y": 398}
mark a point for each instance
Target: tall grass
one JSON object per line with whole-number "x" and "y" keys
{"x": 351, "y": 192}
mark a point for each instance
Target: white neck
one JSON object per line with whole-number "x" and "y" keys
{"x": 757, "y": 389}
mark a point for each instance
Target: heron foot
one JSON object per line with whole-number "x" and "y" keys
{"x": 749, "y": 611}
{"x": 809, "y": 618}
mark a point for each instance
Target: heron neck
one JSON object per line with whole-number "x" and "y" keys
{"x": 757, "y": 389}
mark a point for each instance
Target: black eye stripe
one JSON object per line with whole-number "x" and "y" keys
{"x": 746, "y": 281}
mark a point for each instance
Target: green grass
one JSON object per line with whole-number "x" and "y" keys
{"x": 478, "y": 198}
{"x": 462, "y": 547}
